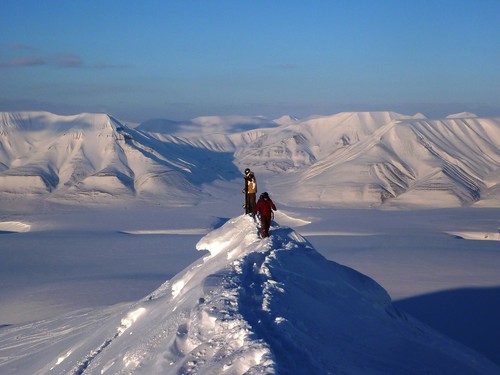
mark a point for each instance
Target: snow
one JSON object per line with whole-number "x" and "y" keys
{"x": 485, "y": 236}
{"x": 209, "y": 125}
{"x": 167, "y": 231}
{"x": 123, "y": 250}
{"x": 14, "y": 226}
{"x": 461, "y": 115}
{"x": 247, "y": 306}
{"x": 362, "y": 159}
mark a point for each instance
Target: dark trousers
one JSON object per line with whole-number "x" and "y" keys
{"x": 265, "y": 223}
{"x": 251, "y": 202}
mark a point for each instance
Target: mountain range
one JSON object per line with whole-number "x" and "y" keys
{"x": 360, "y": 159}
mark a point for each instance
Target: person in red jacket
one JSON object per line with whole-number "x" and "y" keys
{"x": 264, "y": 208}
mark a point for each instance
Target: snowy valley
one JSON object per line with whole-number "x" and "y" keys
{"x": 125, "y": 249}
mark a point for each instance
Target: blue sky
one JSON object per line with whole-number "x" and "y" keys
{"x": 182, "y": 59}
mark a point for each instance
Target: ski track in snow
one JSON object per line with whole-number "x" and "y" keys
{"x": 126, "y": 323}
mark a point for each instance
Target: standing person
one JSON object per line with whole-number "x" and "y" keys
{"x": 265, "y": 207}
{"x": 250, "y": 191}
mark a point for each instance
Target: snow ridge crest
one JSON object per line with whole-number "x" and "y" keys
{"x": 277, "y": 306}
{"x": 243, "y": 307}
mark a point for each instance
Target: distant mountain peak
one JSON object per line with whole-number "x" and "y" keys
{"x": 286, "y": 120}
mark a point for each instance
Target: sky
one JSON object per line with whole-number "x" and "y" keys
{"x": 183, "y": 59}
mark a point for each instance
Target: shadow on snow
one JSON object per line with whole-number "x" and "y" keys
{"x": 461, "y": 315}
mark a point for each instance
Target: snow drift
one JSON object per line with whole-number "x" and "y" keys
{"x": 249, "y": 306}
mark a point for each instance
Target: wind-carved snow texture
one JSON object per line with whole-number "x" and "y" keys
{"x": 362, "y": 159}
{"x": 249, "y": 306}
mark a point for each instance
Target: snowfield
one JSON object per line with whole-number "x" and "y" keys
{"x": 248, "y": 306}
{"x": 124, "y": 250}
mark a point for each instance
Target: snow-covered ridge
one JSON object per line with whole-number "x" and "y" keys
{"x": 249, "y": 306}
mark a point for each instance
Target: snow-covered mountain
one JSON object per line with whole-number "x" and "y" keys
{"x": 361, "y": 159}
{"x": 303, "y": 143}
{"x": 390, "y": 159}
{"x": 249, "y": 306}
{"x": 94, "y": 156}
